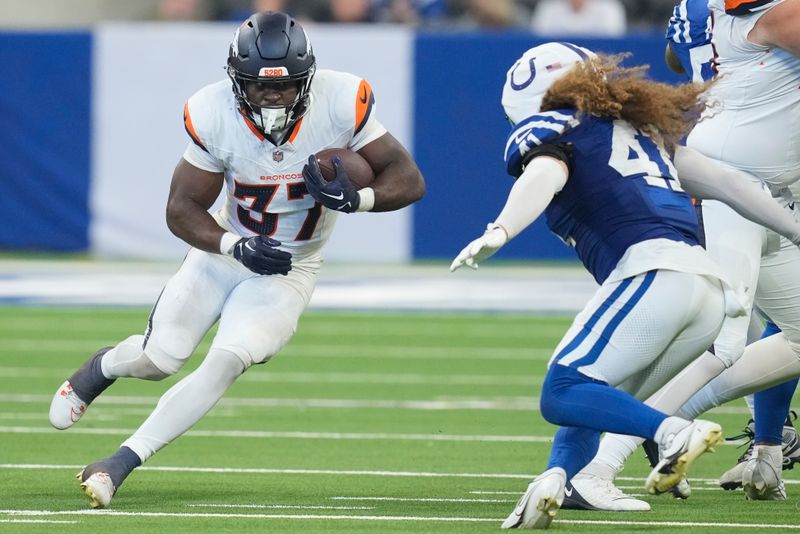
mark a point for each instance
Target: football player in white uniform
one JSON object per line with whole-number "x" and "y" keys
{"x": 757, "y": 94}
{"x": 253, "y": 264}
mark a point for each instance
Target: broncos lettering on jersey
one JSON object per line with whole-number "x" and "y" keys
{"x": 689, "y": 35}
{"x": 622, "y": 188}
{"x": 265, "y": 192}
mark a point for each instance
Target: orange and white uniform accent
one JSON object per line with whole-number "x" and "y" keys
{"x": 265, "y": 193}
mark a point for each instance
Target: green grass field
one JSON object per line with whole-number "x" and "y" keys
{"x": 366, "y": 422}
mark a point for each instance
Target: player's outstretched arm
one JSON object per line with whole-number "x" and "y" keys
{"x": 780, "y": 26}
{"x": 398, "y": 180}
{"x": 702, "y": 177}
{"x": 191, "y": 194}
{"x": 542, "y": 178}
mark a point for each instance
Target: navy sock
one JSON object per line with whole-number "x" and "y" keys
{"x": 573, "y": 449}
{"x": 570, "y": 398}
{"x": 118, "y": 466}
{"x": 89, "y": 381}
{"x": 771, "y": 406}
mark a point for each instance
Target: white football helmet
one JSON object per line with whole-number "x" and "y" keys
{"x": 532, "y": 75}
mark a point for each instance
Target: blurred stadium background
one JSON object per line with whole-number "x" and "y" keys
{"x": 439, "y": 408}
{"x": 93, "y": 92}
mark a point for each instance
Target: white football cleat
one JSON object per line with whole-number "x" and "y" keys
{"x": 679, "y": 451}
{"x": 98, "y": 487}
{"x": 66, "y": 407}
{"x": 761, "y": 476}
{"x": 538, "y": 506}
{"x": 589, "y": 492}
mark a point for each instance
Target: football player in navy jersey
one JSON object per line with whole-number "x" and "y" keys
{"x": 759, "y": 96}
{"x": 588, "y": 148}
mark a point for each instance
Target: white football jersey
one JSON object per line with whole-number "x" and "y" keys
{"x": 753, "y": 120}
{"x": 265, "y": 192}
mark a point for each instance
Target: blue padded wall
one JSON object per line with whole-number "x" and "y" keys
{"x": 460, "y": 133}
{"x": 45, "y": 94}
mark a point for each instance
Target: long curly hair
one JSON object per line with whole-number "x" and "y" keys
{"x": 601, "y": 87}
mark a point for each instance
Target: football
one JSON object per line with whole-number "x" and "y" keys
{"x": 358, "y": 170}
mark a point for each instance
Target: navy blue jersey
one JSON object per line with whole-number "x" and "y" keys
{"x": 689, "y": 35}
{"x": 622, "y": 187}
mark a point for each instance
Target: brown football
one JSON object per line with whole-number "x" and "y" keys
{"x": 358, "y": 170}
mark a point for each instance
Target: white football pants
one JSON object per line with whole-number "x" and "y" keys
{"x": 257, "y": 314}
{"x": 770, "y": 270}
{"x": 639, "y": 332}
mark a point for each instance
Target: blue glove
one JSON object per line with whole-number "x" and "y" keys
{"x": 260, "y": 255}
{"x": 338, "y": 194}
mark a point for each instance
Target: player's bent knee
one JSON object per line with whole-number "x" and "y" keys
{"x": 261, "y": 348}
{"x": 168, "y": 353}
{"x": 143, "y": 367}
{"x": 558, "y": 383}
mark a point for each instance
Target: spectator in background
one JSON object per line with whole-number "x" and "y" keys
{"x": 184, "y": 10}
{"x": 412, "y": 11}
{"x": 597, "y": 18}
{"x": 238, "y": 10}
{"x": 344, "y": 11}
{"x": 489, "y": 13}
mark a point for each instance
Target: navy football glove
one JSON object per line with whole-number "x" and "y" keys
{"x": 260, "y": 255}
{"x": 338, "y": 194}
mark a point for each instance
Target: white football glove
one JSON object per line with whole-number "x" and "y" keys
{"x": 482, "y": 248}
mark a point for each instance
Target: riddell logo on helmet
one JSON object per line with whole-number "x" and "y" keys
{"x": 273, "y": 72}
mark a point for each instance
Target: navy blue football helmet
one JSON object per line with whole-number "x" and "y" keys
{"x": 271, "y": 47}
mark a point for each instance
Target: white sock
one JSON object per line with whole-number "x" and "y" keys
{"x": 765, "y": 363}
{"x": 667, "y": 430}
{"x": 186, "y": 403}
{"x": 751, "y": 404}
{"x": 615, "y": 449}
{"x": 610, "y": 458}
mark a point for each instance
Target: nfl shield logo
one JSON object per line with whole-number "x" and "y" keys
{"x": 277, "y": 156}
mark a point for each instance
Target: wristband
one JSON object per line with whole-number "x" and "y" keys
{"x": 367, "y": 199}
{"x": 227, "y": 242}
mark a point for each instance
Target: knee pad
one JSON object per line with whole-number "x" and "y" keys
{"x": 143, "y": 367}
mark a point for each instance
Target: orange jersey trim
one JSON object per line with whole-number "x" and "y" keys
{"x": 187, "y": 123}
{"x": 744, "y": 7}
{"x": 252, "y": 126}
{"x": 364, "y": 102}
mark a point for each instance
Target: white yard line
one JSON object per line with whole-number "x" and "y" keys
{"x": 333, "y": 472}
{"x": 326, "y": 350}
{"x": 399, "y": 379}
{"x": 418, "y": 499}
{"x": 292, "y": 435}
{"x": 116, "y": 513}
{"x": 279, "y": 506}
{"x": 510, "y": 403}
{"x": 52, "y": 521}
{"x": 423, "y": 326}
{"x": 269, "y": 471}
{"x": 525, "y": 404}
